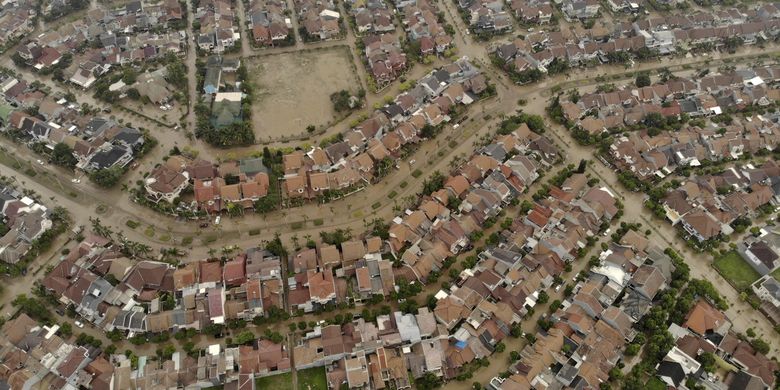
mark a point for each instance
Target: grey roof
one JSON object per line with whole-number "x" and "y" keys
{"x": 337, "y": 150}
{"x": 129, "y": 136}
{"x": 98, "y": 290}
{"x": 764, "y": 253}
{"x": 688, "y": 106}
{"x": 772, "y": 285}
{"x": 407, "y": 326}
{"x": 133, "y": 7}
{"x": 494, "y": 150}
{"x": 252, "y": 166}
{"x": 107, "y": 158}
{"x": 442, "y": 75}
{"x": 97, "y": 125}
{"x": 133, "y": 320}
{"x": 214, "y": 60}
{"x": 671, "y": 370}
{"x": 744, "y": 381}
{"x": 393, "y": 110}
{"x": 213, "y": 75}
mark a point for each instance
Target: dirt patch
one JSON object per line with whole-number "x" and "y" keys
{"x": 293, "y": 90}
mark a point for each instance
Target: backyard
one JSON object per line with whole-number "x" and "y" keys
{"x": 312, "y": 379}
{"x": 308, "y": 379}
{"x": 278, "y": 382}
{"x": 293, "y": 90}
{"x": 732, "y": 267}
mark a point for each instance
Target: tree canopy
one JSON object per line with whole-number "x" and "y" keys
{"x": 62, "y": 155}
{"x": 107, "y": 177}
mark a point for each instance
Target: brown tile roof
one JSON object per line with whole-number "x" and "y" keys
{"x": 210, "y": 271}
{"x": 321, "y": 284}
{"x": 373, "y": 244}
{"x": 235, "y": 272}
{"x": 185, "y": 277}
{"x": 330, "y": 255}
{"x": 449, "y": 311}
{"x": 353, "y": 250}
{"x": 704, "y": 318}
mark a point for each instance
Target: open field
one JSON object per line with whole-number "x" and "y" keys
{"x": 735, "y": 270}
{"x": 293, "y": 90}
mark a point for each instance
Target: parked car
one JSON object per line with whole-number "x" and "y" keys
{"x": 79, "y": 324}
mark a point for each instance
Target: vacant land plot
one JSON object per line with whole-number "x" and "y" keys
{"x": 734, "y": 268}
{"x": 293, "y": 90}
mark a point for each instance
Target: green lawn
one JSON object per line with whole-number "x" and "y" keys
{"x": 776, "y": 274}
{"x": 276, "y": 382}
{"x": 312, "y": 379}
{"x": 655, "y": 384}
{"x": 732, "y": 267}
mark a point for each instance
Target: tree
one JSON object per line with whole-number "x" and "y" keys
{"x": 66, "y": 329}
{"x": 341, "y": 101}
{"x": 632, "y": 349}
{"x": 107, "y": 177}
{"x": 176, "y": 72}
{"x": 166, "y": 352}
{"x": 276, "y": 247}
{"x": 760, "y": 345}
{"x": 434, "y": 183}
{"x": 429, "y": 381}
{"x": 188, "y": 347}
{"x": 655, "y": 120}
{"x": 244, "y": 337}
{"x": 133, "y": 93}
{"x": 33, "y": 307}
{"x": 336, "y": 237}
{"x": 543, "y": 297}
{"x": 62, "y": 155}
{"x": 707, "y": 360}
{"x": 643, "y": 80}
{"x": 265, "y": 204}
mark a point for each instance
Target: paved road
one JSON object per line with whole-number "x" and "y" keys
{"x": 246, "y": 47}
{"x": 349, "y": 212}
{"x": 352, "y": 212}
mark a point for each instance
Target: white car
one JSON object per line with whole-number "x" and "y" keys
{"x": 216, "y": 221}
{"x": 40, "y": 162}
{"x": 79, "y": 324}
